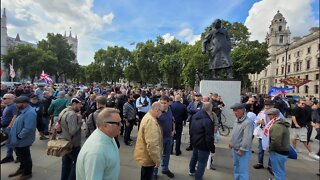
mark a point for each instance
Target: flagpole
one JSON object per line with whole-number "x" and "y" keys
{"x": 12, "y": 67}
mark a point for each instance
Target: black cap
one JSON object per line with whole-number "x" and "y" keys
{"x": 269, "y": 102}
{"x": 238, "y": 106}
{"x": 22, "y": 99}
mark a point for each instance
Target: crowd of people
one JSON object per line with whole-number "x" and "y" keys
{"x": 160, "y": 116}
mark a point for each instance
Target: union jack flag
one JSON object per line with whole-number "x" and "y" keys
{"x": 45, "y": 77}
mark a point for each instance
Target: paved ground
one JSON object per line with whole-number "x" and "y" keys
{"x": 45, "y": 167}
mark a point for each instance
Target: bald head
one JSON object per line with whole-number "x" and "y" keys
{"x": 177, "y": 98}
{"x": 8, "y": 98}
{"x": 106, "y": 115}
{"x": 207, "y": 106}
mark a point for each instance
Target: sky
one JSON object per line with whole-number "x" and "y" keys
{"x": 102, "y": 23}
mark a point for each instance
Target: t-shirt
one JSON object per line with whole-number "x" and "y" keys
{"x": 301, "y": 115}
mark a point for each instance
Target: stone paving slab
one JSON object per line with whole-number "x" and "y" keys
{"x": 49, "y": 168}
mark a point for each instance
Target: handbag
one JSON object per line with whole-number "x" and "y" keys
{"x": 58, "y": 147}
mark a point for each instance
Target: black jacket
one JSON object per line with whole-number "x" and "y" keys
{"x": 179, "y": 112}
{"x": 201, "y": 132}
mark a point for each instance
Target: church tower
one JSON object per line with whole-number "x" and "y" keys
{"x": 73, "y": 42}
{"x": 4, "y": 33}
{"x": 279, "y": 33}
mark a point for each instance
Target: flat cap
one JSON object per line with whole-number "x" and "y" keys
{"x": 238, "y": 106}
{"x": 22, "y": 99}
{"x": 274, "y": 111}
{"x": 269, "y": 102}
{"x": 75, "y": 100}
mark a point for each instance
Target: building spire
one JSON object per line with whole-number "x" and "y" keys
{"x": 18, "y": 37}
{"x": 4, "y": 13}
{"x": 70, "y": 33}
{"x": 65, "y": 32}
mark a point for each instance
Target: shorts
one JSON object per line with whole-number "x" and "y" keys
{"x": 300, "y": 134}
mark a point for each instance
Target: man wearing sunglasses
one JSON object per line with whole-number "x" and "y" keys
{"x": 101, "y": 160}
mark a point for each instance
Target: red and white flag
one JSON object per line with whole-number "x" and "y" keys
{"x": 12, "y": 72}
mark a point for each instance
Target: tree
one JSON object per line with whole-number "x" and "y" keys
{"x": 59, "y": 47}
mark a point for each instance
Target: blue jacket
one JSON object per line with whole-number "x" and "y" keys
{"x": 179, "y": 112}
{"x": 23, "y": 131}
{"x": 201, "y": 132}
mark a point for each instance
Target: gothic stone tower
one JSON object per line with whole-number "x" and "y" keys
{"x": 4, "y": 43}
{"x": 73, "y": 42}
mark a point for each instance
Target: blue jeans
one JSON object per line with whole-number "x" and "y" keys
{"x": 167, "y": 146}
{"x": 201, "y": 157}
{"x": 261, "y": 154}
{"x": 241, "y": 165}
{"x": 278, "y": 165}
{"x": 69, "y": 161}
{"x": 46, "y": 121}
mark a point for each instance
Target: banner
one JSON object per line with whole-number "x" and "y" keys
{"x": 277, "y": 91}
{"x": 12, "y": 72}
{"x": 293, "y": 81}
{"x": 45, "y": 77}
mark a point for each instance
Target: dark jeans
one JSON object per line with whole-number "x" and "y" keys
{"x": 24, "y": 155}
{"x": 309, "y": 128}
{"x": 261, "y": 154}
{"x": 140, "y": 114}
{"x": 127, "y": 131}
{"x": 69, "y": 161}
{"x": 201, "y": 157}
{"x": 189, "y": 132}
{"x": 146, "y": 172}
{"x": 46, "y": 121}
{"x": 179, "y": 128}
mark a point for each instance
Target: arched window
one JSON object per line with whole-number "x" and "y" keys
{"x": 280, "y": 28}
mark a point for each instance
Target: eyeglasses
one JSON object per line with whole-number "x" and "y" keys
{"x": 111, "y": 122}
{"x": 5, "y": 98}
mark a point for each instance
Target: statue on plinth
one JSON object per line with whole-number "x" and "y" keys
{"x": 219, "y": 50}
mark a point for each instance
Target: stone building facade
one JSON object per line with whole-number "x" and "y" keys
{"x": 299, "y": 58}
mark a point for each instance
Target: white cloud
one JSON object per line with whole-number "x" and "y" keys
{"x": 188, "y": 35}
{"x": 298, "y": 14}
{"x": 34, "y": 19}
{"x": 167, "y": 38}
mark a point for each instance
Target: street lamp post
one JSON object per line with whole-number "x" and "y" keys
{"x": 286, "y": 47}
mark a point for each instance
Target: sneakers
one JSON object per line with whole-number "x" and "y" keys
{"x": 178, "y": 153}
{"x": 192, "y": 173}
{"x": 189, "y": 148}
{"x": 25, "y": 176}
{"x": 128, "y": 143}
{"x": 18, "y": 172}
{"x": 298, "y": 150}
{"x": 258, "y": 166}
{"x": 168, "y": 173}
{"x": 313, "y": 156}
{"x": 7, "y": 159}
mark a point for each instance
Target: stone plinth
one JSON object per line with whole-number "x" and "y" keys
{"x": 229, "y": 90}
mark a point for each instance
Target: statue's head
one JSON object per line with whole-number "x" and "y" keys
{"x": 217, "y": 23}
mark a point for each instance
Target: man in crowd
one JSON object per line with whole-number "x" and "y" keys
{"x": 193, "y": 108}
{"x": 166, "y": 122}
{"x": 143, "y": 105}
{"x": 57, "y": 106}
{"x": 180, "y": 115}
{"x": 101, "y": 160}
{"x": 22, "y": 135}
{"x": 121, "y": 99}
{"x": 91, "y": 124}
{"x": 202, "y": 140}
{"x": 309, "y": 110}
{"x": 279, "y": 143}
{"x": 8, "y": 116}
{"x": 39, "y": 91}
{"x": 241, "y": 142}
{"x": 300, "y": 119}
{"x": 47, "y": 99}
{"x": 70, "y": 121}
{"x": 148, "y": 147}
{"x": 129, "y": 117}
{"x": 38, "y": 108}
{"x": 90, "y": 105}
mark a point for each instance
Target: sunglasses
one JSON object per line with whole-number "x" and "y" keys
{"x": 5, "y": 98}
{"x": 117, "y": 123}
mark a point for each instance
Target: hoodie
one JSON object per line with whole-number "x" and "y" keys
{"x": 280, "y": 137}
{"x": 201, "y": 132}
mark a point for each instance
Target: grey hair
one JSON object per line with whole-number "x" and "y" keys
{"x": 105, "y": 115}
{"x": 156, "y": 106}
{"x": 206, "y": 106}
{"x": 61, "y": 94}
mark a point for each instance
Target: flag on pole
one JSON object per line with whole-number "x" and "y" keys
{"x": 45, "y": 77}
{"x": 12, "y": 72}
{"x": 278, "y": 91}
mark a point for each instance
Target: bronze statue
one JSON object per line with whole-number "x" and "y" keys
{"x": 219, "y": 50}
